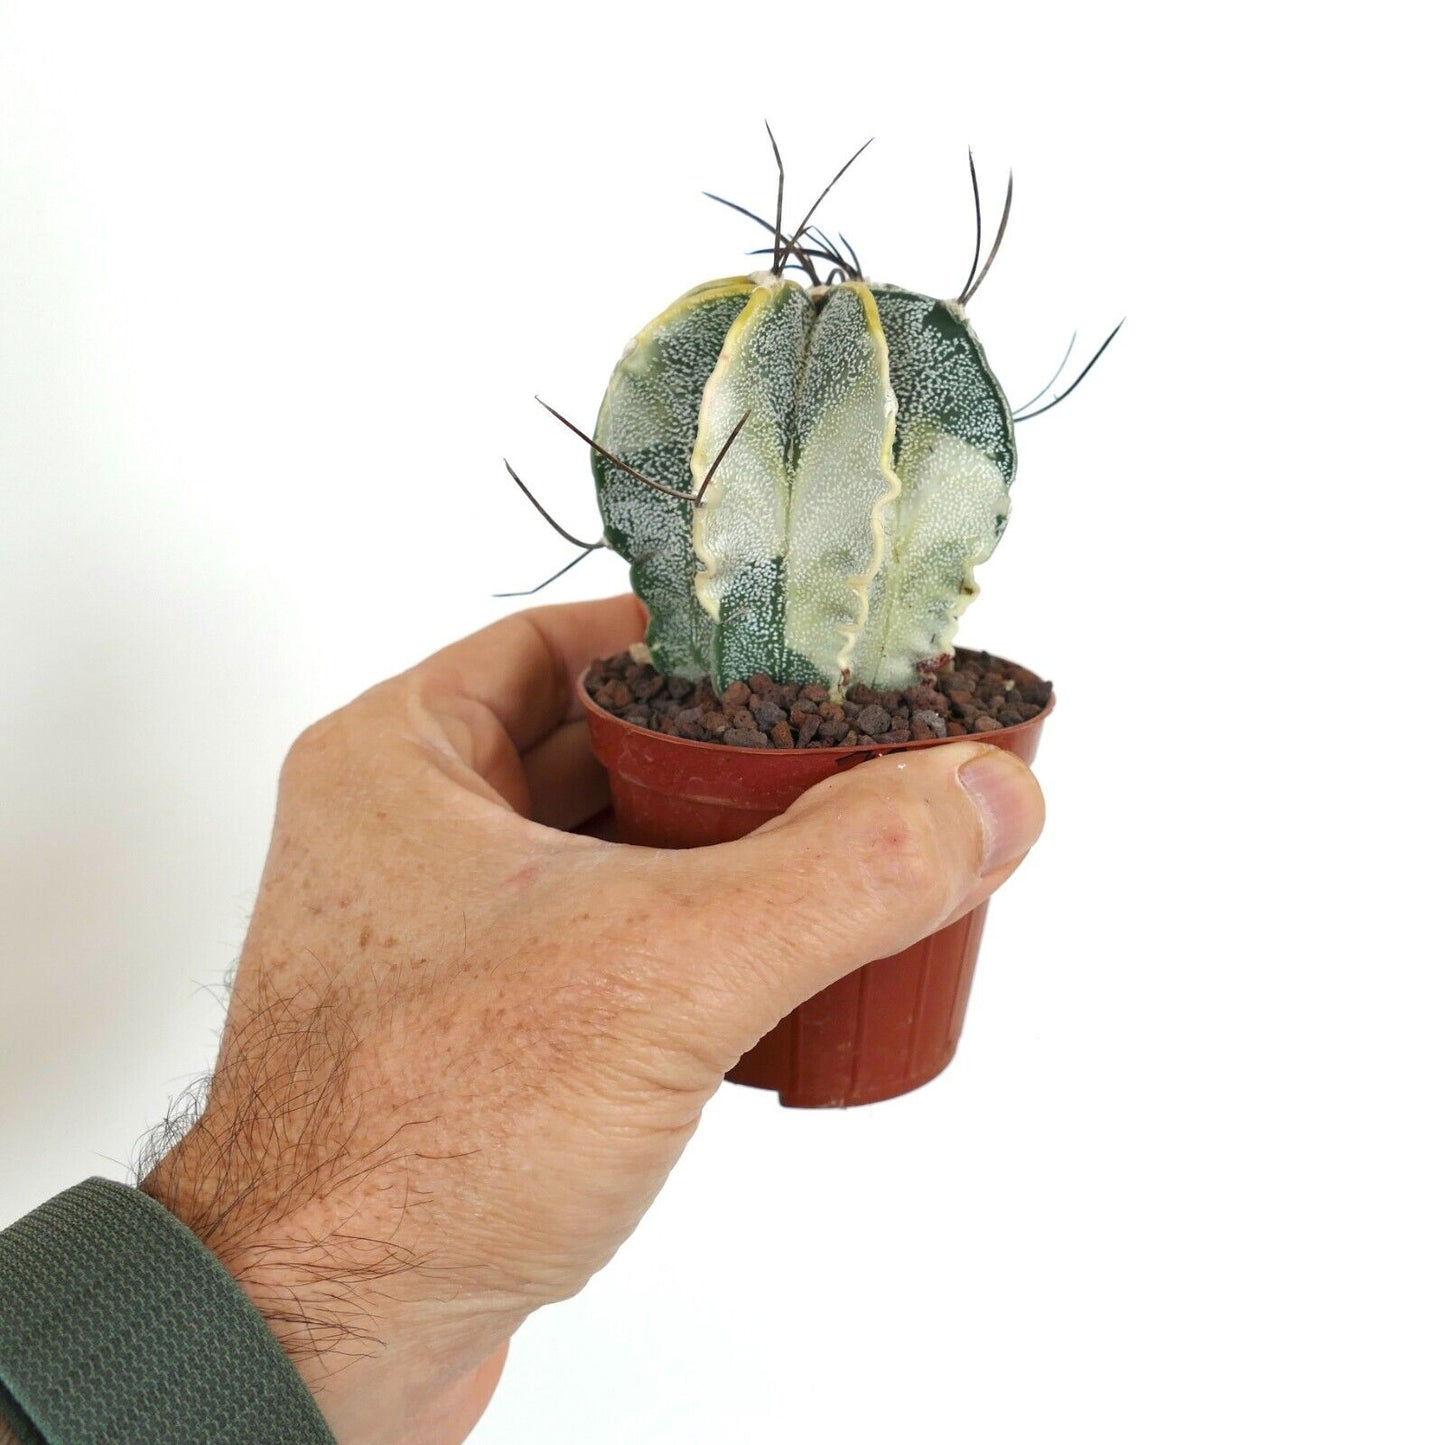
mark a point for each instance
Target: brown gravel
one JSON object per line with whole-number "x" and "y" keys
{"x": 968, "y": 694}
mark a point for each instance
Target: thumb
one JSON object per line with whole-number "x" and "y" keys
{"x": 859, "y": 868}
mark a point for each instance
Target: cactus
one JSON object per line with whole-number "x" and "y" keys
{"x": 804, "y": 479}
{"x": 838, "y": 538}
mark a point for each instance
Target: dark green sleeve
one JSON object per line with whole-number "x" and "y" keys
{"x": 119, "y": 1327}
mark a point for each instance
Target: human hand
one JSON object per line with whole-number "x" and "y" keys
{"x": 466, "y": 1045}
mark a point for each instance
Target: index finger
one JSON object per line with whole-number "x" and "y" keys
{"x": 522, "y": 669}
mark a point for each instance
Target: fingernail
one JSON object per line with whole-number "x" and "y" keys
{"x": 1008, "y": 801}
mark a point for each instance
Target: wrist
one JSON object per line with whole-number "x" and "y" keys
{"x": 324, "y": 1273}
{"x": 304, "y": 1282}
{"x": 117, "y": 1321}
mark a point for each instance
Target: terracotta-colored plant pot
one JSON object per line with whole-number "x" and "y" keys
{"x": 880, "y": 1032}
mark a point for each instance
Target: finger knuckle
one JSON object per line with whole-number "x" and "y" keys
{"x": 896, "y": 847}
{"x": 340, "y": 745}
{"x": 318, "y": 741}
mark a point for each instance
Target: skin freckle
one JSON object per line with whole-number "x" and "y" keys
{"x": 364, "y": 937}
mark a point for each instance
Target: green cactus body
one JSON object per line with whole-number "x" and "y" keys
{"x": 838, "y": 537}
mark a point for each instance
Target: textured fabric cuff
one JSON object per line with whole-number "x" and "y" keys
{"x": 119, "y": 1327}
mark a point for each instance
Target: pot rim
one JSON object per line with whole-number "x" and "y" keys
{"x": 860, "y": 751}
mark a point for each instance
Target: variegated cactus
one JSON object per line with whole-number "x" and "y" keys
{"x": 804, "y": 478}
{"x": 837, "y": 538}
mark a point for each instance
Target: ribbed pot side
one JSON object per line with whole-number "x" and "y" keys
{"x": 882, "y": 1031}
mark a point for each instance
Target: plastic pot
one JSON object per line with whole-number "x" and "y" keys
{"x": 882, "y": 1031}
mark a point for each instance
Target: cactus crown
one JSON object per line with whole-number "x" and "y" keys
{"x": 803, "y": 478}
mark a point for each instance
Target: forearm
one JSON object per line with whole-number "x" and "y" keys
{"x": 313, "y": 1227}
{"x": 318, "y": 1281}
{"x": 301, "y": 1276}
{"x": 112, "y": 1307}
{"x": 114, "y": 1315}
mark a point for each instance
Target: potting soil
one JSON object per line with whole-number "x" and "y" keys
{"x": 967, "y": 694}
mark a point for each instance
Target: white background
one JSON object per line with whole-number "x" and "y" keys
{"x": 278, "y": 284}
